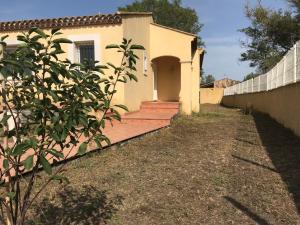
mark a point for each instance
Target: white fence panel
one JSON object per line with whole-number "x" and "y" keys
{"x": 269, "y": 77}
{"x": 298, "y": 61}
{"x": 287, "y": 71}
{"x": 289, "y": 67}
{"x": 256, "y": 84}
{"x": 274, "y": 77}
{"x": 245, "y": 89}
{"x": 240, "y": 88}
{"x": 280, "y": 73}
{"x": 263, "y": 82}
{"x": 249, "y": 86}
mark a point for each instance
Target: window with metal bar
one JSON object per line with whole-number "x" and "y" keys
{"x": 86, "y": 52}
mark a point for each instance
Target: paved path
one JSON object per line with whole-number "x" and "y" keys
{"x": 152, "y": 116}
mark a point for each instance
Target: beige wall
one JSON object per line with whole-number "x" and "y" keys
{"x": 195, "y": 81}
{"x": 168, "y": 78}
{"x": 282, "y": 104}
{"x": 170, "y": 42}
{"x": 105, "y": 35}
{"x": 211, "y": 95}
{"x": 137, "y": 28}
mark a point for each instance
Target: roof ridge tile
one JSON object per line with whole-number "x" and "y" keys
{"x": 72, "y": 21}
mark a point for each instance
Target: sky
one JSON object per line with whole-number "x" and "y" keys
{"x": 221, "y": 19}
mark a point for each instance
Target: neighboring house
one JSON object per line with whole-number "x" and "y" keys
{"x": 212, "y": 93}
{"x": 223, "y": 83}
{"x": 168, "y": 69}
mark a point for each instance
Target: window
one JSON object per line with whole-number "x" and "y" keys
{"x": 80, "y": 50}
{"x": 10, "y": 49}
{"x": 85, "y": 51}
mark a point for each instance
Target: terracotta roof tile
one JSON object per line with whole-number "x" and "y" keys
{"x": 62, "y": 22}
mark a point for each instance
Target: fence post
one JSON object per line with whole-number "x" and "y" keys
{"x": 252, "y": 89}
{"x": 295, "y": 63}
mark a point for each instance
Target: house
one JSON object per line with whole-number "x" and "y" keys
{"x": 223, "y": 83}
{"x": 168, "y": 70}
{"x": 213, "y": 93}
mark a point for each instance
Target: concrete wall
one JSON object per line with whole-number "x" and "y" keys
{"x": 211, "y": 95}
{"x": 282, "y": 104}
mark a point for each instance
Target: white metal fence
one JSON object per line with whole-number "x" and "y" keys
{"x": 287, "y": 71}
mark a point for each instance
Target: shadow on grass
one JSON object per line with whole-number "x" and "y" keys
{"x": 247, "y": 211}
{"x": 254, "y": 163}
{"x": 283, "y": 148}
{"x": 87, "y": 206}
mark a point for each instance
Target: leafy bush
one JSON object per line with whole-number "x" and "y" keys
{"x": 54, "y": 105}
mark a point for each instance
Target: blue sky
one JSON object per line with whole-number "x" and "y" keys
{"x": 221, "y": 19}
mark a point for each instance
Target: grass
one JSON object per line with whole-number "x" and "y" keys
{"x": 215, "y": 167}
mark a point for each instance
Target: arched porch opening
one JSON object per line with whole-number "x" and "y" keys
{"x": 167, "y": 78}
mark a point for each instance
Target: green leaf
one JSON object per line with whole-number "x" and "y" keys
{"x": 112, "y": 46}
{"x": 40, "y": 32}
{"x": 56, "y": 153}
{"x": 122, "y": 107}
{"x": 132, "y": 77}
{"x": 137, "y": 47}
{"x": 54, "y": 30}
{"x": 82, "y": 149}
{"x": 28, "y": 162}
{"x": 5, "y": 119}
{"x": 62, "y": 40}
{"x": 3, "y": 37}
{"x": 64, "y": 135}
{"x": 11, "y": 195}
{"x": 5, "y": 164}
{"x": 20, "y": 149}
{"x": 45, "y": 164}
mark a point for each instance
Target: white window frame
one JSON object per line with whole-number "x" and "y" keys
{"x": 77, "y": 39}
{"x": 77, "y": 49}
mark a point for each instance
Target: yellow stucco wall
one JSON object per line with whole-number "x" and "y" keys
{"x": 105, "y": 35}
{"x": 282, "y": 104}
{"x": 196, "y": 80}
{"x": 167, "y": 42}
{"x": 170, "y": 42}
{"x": 137, "y": 28}
{"x": 211, "y": 95}
{"x": 168, "y": 80}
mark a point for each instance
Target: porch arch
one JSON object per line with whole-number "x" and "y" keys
{"x": 167, "y": 78}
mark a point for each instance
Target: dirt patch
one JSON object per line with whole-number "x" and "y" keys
{"x": 215, "y": 167}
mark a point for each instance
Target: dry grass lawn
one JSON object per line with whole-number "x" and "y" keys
{"x": 216, "y": 167}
